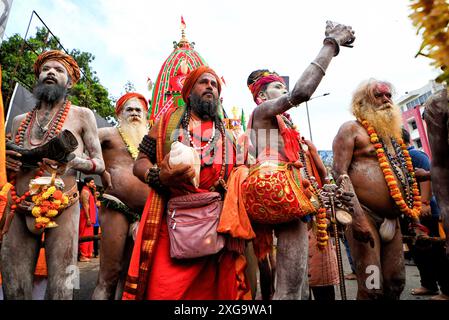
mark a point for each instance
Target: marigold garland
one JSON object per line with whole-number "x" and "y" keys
{"x": 133, "y": 150}
{"x": 48, "y": 203}
{"x": 321, "y": 234}
{"x": 56, "y": 127}
{"x": 390, "y": 179}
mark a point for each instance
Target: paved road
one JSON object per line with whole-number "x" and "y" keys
{"x": 89, "y": 273}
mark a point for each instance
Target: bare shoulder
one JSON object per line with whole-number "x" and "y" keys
{"x": 16, "y": 122}
{"x": 83, "y": 112}
{"x": 350, "y": 128}
{"x": 85, "y": 117}
{"x": 107, "y": 133}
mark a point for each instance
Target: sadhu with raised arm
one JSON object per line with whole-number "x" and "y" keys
{"x": 283, "y": 183}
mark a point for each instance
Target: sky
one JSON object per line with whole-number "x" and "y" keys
{"x": 131, "y": 39}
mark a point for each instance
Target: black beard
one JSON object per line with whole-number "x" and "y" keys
{"x": 50, "y": 93}
{"x": 206, "y": 110}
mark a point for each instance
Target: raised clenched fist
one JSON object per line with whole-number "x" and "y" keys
{"x": 343, "y": 34}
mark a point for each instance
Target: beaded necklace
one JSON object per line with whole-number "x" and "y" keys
{"x": 212, "y": 150}
{"x": 132, "y": 149}
{"x": 411, "y": 206}
{"x": 19, "y": 139}
{"x": 321, "y": 234}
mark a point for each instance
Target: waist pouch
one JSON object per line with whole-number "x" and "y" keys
{"x": 192, "y": 225}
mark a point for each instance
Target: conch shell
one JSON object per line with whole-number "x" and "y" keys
{"x": 387, "y": 230}
{"x": 182, "y": 154}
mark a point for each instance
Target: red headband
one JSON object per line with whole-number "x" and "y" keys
{"x": 121, "y": 102}
{"x": 256, "y": 86}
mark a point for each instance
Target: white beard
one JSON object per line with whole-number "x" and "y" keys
{"x": 135, "y": 131}
{"x": 386, "y": 122}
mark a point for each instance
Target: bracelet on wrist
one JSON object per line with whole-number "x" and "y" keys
{"x": 334, "y": 42}
{"x": 152, "y": 178}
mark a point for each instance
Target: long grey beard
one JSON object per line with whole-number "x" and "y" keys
{"x": 135, "y": 131}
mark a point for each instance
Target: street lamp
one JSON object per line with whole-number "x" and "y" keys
{"x": 307, "y": 109}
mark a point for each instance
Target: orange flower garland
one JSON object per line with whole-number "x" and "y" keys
{"x": 49, "y": 202}
{"x": 395, "y": 192}
{"x": 19, "y": 140}
{"x": 321, "y": 234}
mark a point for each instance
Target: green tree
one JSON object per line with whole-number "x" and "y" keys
{"x": 17, "y": 58}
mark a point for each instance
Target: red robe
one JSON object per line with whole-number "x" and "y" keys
{"x": 86, "y": 249}
{"x": 205, "y": 278}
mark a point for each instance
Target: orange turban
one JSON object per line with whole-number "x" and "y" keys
{"x": 67, "y": 61}
{"x": 121, "y": 102}
{"x": 193, "y": 77}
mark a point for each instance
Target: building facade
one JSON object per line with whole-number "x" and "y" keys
{"x": 412, "y": 108}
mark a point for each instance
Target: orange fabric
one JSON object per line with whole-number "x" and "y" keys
{"x": 123, "y": 99}
{"x": 69, "y": 63}
{"x": 191, "y": 79}
{"x": 234, "y": 219}
{"x": 263, "y": 243}
{"x": 41, "y": 265}
{"x": 4, "y": 198}
{"x": 219, "y": 276}
{"x": 4, "y": 186}
{"x": 2, "y": 140}
{"x": 216, "y": 277}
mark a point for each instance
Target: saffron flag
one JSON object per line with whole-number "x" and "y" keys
{"x": 2, "y": 139}
{"x": 183, "y": 24}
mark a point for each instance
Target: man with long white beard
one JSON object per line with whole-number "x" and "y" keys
{"x": 371, "y": 152}
{"x": 125, "y": 195}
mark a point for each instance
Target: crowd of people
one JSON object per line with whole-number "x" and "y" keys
{"x": 189, "y": 211}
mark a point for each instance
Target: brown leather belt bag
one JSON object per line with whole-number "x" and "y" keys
{"x": 192, "y": 225}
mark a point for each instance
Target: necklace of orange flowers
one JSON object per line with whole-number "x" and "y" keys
{"x": 19, "y": 140}
{"x": 395, "y": 192}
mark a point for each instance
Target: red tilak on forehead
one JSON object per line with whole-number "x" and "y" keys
{"x": 382, "y": 88}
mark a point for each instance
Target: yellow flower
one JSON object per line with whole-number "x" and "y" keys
{"x": 36, "y": 212}
{"x": 65, "y": 200}
{"x": 52, "y": 213}
{"x": 45, "y": 195}
{"x": 43, "y": 220}
{"x": 51, "y": 190}
{"x": 57, "y": 202}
